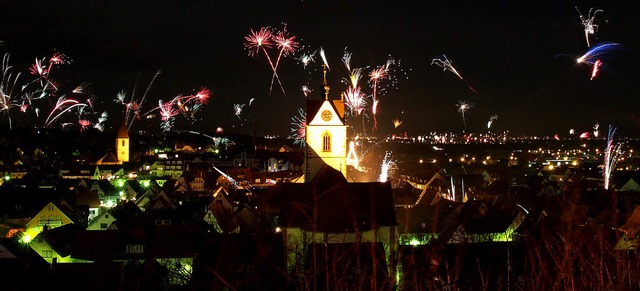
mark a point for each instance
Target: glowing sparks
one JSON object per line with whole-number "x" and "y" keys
{"x": 307, "y": 59}
{"x": 588, "y": 23}
{"x": 298, "y": 131}
{"x": 352, "y": 157}
{"x": 396, "y": 122}
{"x": 237, "y": 108}
{"x": 611, "y": 154}
{"x": 385, "y": 166}
{"x": 355, "y": 100}
{"x": 305, "y": 90}
{"x": 491, "y": 120}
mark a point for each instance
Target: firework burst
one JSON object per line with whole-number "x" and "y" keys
{"x": 264, "y": 40}
{"x": 396, "y": 122}
{"x": 589, "y": 23}
{"x": 183, "y": 105}
{"x": 376, "y": 75}
{"x": 443, "y": 62}
{"x": 463, "y": 107}
{"x": 298, "y": 131}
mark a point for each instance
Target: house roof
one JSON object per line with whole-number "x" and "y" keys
{"x": 632, "y": 225}
{"x": 173, "y": 241}
{"x": 631, "y": 185}
{"x": 87, "y": 197}
{"x": 326, "y": 206}
{"x": 428, "y": 216}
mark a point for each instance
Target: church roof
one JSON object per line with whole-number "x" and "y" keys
{"x": 108, "y": 158}
{"x": 330, "y": 204}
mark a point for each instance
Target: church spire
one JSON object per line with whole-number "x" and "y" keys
{"x": 325, "y": 85}
{"x": 123, "y": 130}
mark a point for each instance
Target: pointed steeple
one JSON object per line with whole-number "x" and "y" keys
{"x": 122, "y": 131}
{"x": 325, "y": 85}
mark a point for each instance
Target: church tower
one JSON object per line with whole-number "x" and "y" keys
{"x": 325, "y": 134}
{"x": 122, "y": 143}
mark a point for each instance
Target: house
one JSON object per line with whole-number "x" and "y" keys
{"x": 89, "y": 200}
{"x": 101, "y": 221}
{"x": 630, "y": 230}
{"x": 329, "y": 211}
{"x": 51, "y": 216}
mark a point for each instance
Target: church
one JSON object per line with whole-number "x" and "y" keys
{"x": 325, "y": 134}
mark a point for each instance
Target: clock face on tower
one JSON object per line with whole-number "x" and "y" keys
{"x": 326, "y": 115}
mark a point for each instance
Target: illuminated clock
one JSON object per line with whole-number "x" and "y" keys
{"x": 326, "y": 115}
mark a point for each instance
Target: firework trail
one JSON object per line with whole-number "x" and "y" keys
{"x": 596, "y": 67}
{"x": 386, "y": 164}
{"x": 186, "y": 106}
{"x": 355, "y": 98}
{"x": 446, "y": 65}
{"x": 463, "y": 107}
{"x": 133, "y": 105}
{"x": 588, "y": 23}
{"x": 7, "y": 85}
{"x": 611, "y": 154}
{"x": 346, "y": 59}
{"x": 324, "y": 58}
{"x": 62, "y": 106}
{"x": 375, "y": 76}
{"x": 596, "y": 54}
{"x": 287, "y": 45}
{"x": 491, "y": 120}
{"x": 298, "y": 131}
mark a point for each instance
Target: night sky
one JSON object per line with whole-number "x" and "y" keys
{"x": 520, "y": 58}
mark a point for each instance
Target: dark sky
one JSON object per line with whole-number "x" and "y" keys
{"x": 518, "y": 55}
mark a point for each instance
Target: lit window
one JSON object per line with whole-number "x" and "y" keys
{"x": 47, "y": 253}
{"x": 326, "y": 141}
